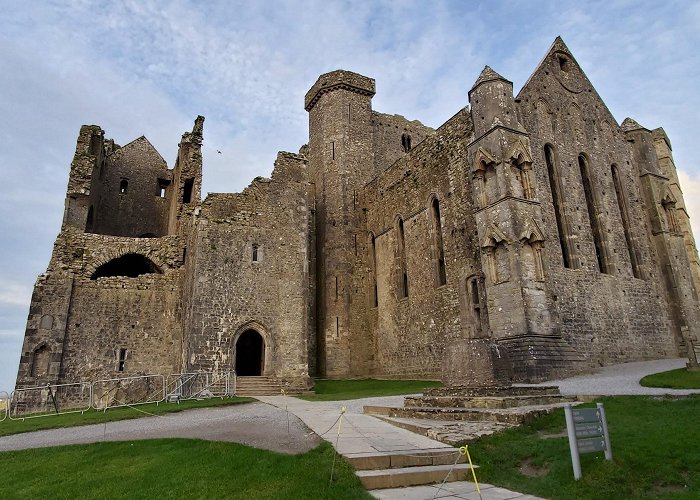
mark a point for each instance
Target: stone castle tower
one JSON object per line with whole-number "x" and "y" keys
{"x": 527, "y": 237}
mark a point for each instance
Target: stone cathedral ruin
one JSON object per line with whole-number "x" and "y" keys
{"x": 528, "y": 237}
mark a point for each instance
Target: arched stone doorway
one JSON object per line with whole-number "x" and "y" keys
{"x": 250, "y": 354}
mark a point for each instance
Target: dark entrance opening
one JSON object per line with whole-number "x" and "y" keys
{"x": 250, "y": 354}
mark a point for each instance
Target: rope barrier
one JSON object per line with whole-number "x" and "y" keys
{"x": 337, "y": 439}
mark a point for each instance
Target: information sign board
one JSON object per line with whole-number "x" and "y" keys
{"x": 588, "y": 433}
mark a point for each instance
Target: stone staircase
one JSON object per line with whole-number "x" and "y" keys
{"x": 410, "y": 468}
{"x": 460, "y": 415}
{"x": 258, "y": 386}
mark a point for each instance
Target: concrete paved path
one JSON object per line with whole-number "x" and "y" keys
{"x": 622, "y": 379}
{"x": 362, "y": 435}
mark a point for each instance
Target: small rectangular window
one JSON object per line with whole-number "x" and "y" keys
{"x": 123, "y": 186}
{"x": 122, "y": 360}
{"x": 187, "y": 191}
{"x": 162, "y": 187}
{"x": 255, "y": 252}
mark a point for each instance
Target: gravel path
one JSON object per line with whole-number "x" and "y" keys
{"x": 623, "y": 379}
{"x": 255, "y": 424}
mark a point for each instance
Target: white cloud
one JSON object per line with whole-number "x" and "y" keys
{"x": 690, "y": 185}
{"x": 15, "y": 294}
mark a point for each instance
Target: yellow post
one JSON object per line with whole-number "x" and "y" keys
{"x": 465, "y": 451}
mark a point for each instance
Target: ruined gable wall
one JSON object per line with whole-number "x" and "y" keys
{"x": 605, "y": 317}
{"x": 410, "y": 333}
{"x": 230, "y": 290}
{"x": 387, "y": 132}
{"x": 141, "y": 210}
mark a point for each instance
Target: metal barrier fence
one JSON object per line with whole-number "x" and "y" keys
{"x": 4, "y": 405}
{"x": 48, "y": 400}
{"x": 60, "y": 399}
{"x": 128, "y": 391}
{"x": 182, "y": 386}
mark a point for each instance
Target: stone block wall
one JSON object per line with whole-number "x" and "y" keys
{"x": 250, "y": 271}
{"x": 411, "y": 331}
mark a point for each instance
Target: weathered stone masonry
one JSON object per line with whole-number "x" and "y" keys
{"x": 529, "y": 236}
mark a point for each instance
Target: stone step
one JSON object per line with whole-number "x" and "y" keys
{"x": 257, "y": 386}
{"x": 410, "y": 458}
{"x": 412, "y": 476}
{"x": 452, "y": 432}
{"x": 518, "y": 415}
{"x": 497, "y": 391}
{"x": 484, "y": 401}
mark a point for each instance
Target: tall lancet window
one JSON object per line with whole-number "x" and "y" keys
{"x": 401, "y": 253}
{"x": 558, "y": 202}
{"x": 596, "y": 229}
{"x": 438, "y": 250}
{"x": 624, "y": 215}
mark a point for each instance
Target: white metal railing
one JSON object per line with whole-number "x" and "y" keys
{"x": 182, "y": 386}
{"x": 195, "y": 385}
{"x": 50, "y": 399}
{"x": 4, "y": 405}
{"x": 128, "y": 391}
{"x": 78, "y": 397}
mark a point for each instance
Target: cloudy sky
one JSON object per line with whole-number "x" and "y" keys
{"x": 142, "y": 67}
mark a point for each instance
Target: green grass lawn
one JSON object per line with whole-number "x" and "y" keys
{"x": 175, "y": 468}
{"x": 674, "y": 379}
{"x": 92, "y": 416}
{"x": 337, "y": 390}
{"x": 655, "y": 454}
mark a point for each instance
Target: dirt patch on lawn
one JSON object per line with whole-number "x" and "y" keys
{"x": 529, "y": 469}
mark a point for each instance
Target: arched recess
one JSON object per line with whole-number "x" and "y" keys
{"x": 576, "y": 122}
{"x": 532, "y": 240}
{"x": 251, "y": 350}
{"x": 41, "y": 361}
{"x": 624, "y": 216}
{"x": 485, "y": 178}
{"x": 401, "y": 259}
{"x": 373, "y": 262}
{"x": 596, "y": 223}
{"x": 668, "y": 203}
{"x": 545, "y": 117}
{"x": 520, "y": 161}
{"x": 475, "y": 290}
{"x": 495, "y": 246}
{"x": 437, "y": 245}
{"x": 563, "y": 228}
{"x": 129, "y": 265}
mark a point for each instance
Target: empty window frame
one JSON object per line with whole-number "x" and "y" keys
{"x": 401, "y": 253}
{"x": 375, "y": 293}
{"x": 162, "y": 188}
{"x": 406, "y": 142}
{"x": 558, "y": 203}
{"x": 438, "y": 249}
{"x": 123, "y": 186}
{"x": 624, "y": 215}
{"x": 187, "y": 191}
{"x": 255, "y": 252}
{"x": 121, "y": 359}
{"x": 596, "y": 230}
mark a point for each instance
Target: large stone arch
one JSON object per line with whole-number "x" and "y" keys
{"x": 267, "y": 344}
{"x": 108, "y": 255}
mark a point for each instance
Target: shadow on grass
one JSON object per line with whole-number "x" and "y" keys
{"x": 176, "y": 468}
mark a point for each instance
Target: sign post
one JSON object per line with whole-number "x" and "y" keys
{"x": 588, "y": 433}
